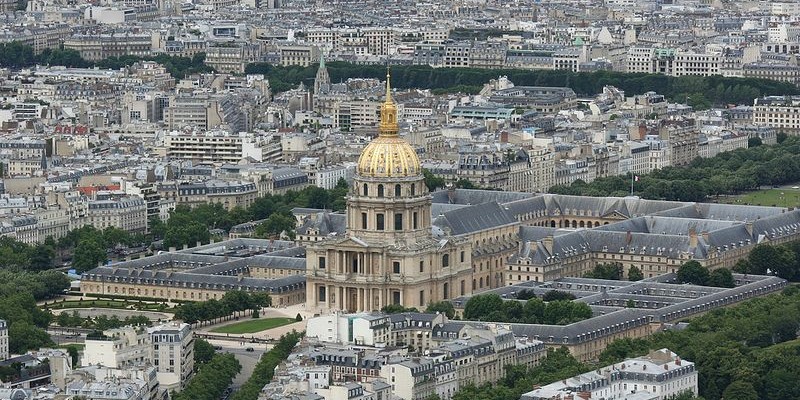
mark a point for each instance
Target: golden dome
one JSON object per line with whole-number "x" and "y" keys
{"x": 388, "y": 155}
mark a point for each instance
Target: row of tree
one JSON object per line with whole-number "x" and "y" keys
{"x": 614, "y": 271}
{"x": 492, "y": 308}
{"x": 728, "y": 173}
{"x": 265, "y": 369}
{"x": 19, "y": 55}
{"x": 441, "y": 307}
{"x": 746, "y": 352}
{"x": 211, "y": 380}
{"x": 232, "y": 302}
{"x": 100, "y": 322}
{"x": 700, "y": 92}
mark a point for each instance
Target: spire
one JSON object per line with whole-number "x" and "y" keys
{"x": 388, "y": 87}
{"x": 388, "y": 125}
{"x": 322, "y": 61}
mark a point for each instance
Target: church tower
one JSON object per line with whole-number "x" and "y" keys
{"x": 389, "y": 253}
{"x": 322, "y": 82}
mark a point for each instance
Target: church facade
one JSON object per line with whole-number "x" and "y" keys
{"x": 388, "y": 254}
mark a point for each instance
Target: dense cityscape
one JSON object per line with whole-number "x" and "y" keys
{"x": 399, "y": 200}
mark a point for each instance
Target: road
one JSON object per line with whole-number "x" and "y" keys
{"x": 248, "y": 359}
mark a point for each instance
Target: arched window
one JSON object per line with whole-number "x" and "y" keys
{"x": 397, "y": 191}
{"x": 366, "y": 190}
{"x": 380, "y": 190}
{"x": 413, "y": 189}
{"x": 446, "y": 290}
{"x": 445, "y": 260}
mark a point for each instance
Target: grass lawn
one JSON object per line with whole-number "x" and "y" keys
{"x": 254, "y": 325}
{"x": 767, "y": 197}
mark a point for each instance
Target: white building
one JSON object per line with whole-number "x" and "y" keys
{"x": 659, "y": 375}
{"x": 168, "y": 347}
{"x": 361, "y": 329}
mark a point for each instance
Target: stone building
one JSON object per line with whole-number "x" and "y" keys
{"x": 388, "y": 254}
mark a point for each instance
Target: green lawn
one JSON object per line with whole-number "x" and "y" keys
{"x": 766, "y": 197}
{"x": 254, "y": 325}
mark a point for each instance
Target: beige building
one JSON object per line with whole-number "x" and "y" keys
{"x": 128, "y": 213}
{"x": 778, "y": 112}
{"x": 388, "y": 254}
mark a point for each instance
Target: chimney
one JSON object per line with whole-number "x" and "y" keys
{"x": 692, "y": 237}
{"x": 199, "y": 243}
{"x": 185, "y": 246}
{"x": 172, "y": 249}
{"x": 451, "y": 193}
{"x": 677, "y": 361}
{"x": 704, "y": 234}
{"x": 547, "y": 241}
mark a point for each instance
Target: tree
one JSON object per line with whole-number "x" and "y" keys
{"x": 721, "y": 277}
{"x": 397, "y": 309}
{"x": 635, "y": 274}
{"x": 298, "y": 317}
{"x": 480, "y": 306}
{"x": 88, "y": 254}
{"x": 555, "y": 295}
{"x": 275, "y": 225}
{"x": 42, "y": 257}
{"x": 203, "y": 352}
{"x": 432, "y": 181}
{"x": 23, "y": 336}
{"x": 443, "y": 307}
{"x": 777, "y": 260}
{"x": 605, "y": 271}
{"x": 693, "y": 272}
{"x": 72, "y": 350}
{"x": 210, "y": 382}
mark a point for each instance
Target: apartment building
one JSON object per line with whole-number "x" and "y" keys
{"x": 457, "y": 353}
{"x": 659, "y": 375}
{"x": 98, "y": 47}
{"x": 128, "y": 213}
{"x": 172, "y": 354}
{"x": 205, "y": 112}
{"x": 215, "y": 146}
{"x": 232, "y": 57}
{"x": 779, "y": 112}
{"x": 169, "y": 348}
{"x": 775, "y": 72}
{"x": 301, "y": 55}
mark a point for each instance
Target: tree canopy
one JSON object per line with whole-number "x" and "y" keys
{"x": 231, "y": 302}
{"x": 265, "y": 368}
{"x": 728, "y": 173}
{"x": 748, "y": 351}
{"x": 492, "y": 308}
